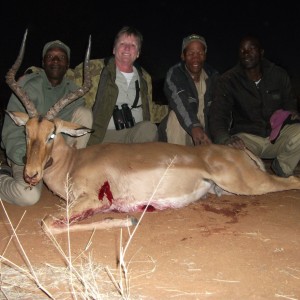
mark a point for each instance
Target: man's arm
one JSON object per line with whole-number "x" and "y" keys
{"x": 13, "y": 136}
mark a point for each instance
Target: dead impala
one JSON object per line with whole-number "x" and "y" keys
{"x": 124, "y": 177}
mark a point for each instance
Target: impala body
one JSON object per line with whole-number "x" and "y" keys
{"x": 131, "y": 177}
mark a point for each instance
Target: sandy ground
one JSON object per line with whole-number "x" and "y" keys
{"x": 226, "y": 247}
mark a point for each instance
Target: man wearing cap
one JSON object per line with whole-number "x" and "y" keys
{"x": 44, "y": 88}
{"x": 255, "y": 107}
{"x": 188, "y": 87}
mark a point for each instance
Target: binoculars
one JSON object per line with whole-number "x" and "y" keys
{"x": 123, "y": 117}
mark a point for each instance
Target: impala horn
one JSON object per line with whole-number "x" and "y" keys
{"x": 10, "y": 80}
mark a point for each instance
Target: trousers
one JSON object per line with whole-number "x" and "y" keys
{"x": 175, "y": 133}
{"x": 286, "y": 149}
{"x": 141, "y": 132}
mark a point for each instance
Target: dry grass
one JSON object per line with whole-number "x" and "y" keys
{"x": 16, "y": 284}
{"x": 80, "y": 278}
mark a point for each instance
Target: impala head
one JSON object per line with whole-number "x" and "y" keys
{"x": 41, "y": 131}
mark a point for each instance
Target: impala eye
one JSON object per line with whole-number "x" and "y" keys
{"x": 51, "y": 137}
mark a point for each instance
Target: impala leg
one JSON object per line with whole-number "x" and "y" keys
{"x": 251, "y": 181}
{"x": 107, "y": 223}
{"x": 81, "y": 209}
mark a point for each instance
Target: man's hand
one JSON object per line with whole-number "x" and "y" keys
{"x": 200, "y": 137}
{"x": 236, "y": 142}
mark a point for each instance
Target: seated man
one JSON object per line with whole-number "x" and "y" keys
{"x": 254, "y": 107}
{"x": 188, "y": 88}
{"x": 119, "y": 80}
{"x": 44, "y": 88}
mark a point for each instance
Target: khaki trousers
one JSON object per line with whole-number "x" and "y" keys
{"x": 141, "y": 132}
{"x": 175, "y": 133}
{"x": 15, "y": 190}
{"x": 286, "y": 149}
{"x": 83, "y": 116}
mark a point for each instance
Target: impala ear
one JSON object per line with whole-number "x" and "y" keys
{"x": 70, "y": 128}
{"x": 78, "y": 131}
{"x": 20, "y": 118}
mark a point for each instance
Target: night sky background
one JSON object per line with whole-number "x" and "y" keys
{"x": 163, "y": 25}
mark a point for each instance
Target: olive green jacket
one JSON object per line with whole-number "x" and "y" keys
{"x": 103, "y": 95}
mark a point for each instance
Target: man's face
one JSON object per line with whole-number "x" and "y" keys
{"x": 250, "y": 53}
{"x": 126, "y": 49}
{"x": 55, "y": 64}
{"x": 194, "y": 57}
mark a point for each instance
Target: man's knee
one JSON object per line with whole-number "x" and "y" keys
{"x": 252, "y": 142}
{"x": 147, "y": 132}
{"x": 29, "y": 197}
{"x": 24, "y": 197}
{"x": 151, "y": 132}
{"x": 84, "y": 116}
{"x": 294, "y": 139}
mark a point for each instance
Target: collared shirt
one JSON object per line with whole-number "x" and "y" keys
{"x": 127, "y": 94}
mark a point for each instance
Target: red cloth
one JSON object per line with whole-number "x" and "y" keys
{"x": 277, "y": 120}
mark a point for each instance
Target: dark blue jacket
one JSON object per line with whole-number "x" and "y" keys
{"x": 182, "y": 96}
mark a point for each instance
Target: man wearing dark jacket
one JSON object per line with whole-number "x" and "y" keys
{"x": 188, "y": 88}
{"x": 254, "y": 107}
